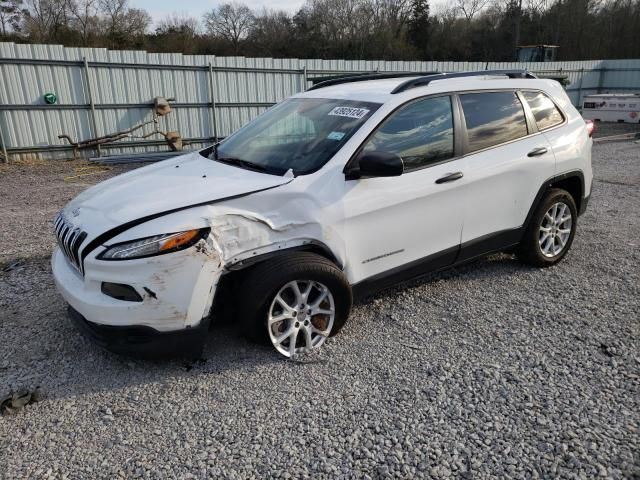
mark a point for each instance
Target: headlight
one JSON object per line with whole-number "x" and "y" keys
{"x": 156, "y": 245}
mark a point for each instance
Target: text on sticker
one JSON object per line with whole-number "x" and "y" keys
{"x": 350, "y": 112}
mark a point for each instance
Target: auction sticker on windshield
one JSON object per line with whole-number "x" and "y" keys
{"x": 350, "y": 112}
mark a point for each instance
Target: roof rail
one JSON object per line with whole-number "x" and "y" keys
{"x": 367, "y": 76}
{"x": 425, "y": 80}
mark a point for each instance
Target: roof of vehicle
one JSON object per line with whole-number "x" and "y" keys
{"x": 380, "y": 90}
{"x": 366, "y": 90}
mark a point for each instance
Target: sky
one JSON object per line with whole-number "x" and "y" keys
{"x": 159, "y": 9}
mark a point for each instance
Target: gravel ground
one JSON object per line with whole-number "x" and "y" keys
{"x": 490, "y": 370}
{"x": 604, "y": 129}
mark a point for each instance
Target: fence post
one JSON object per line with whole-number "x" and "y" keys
{"x": 579, "y": 102}
{"x": 212, "y": 100}
{"x": 94, "y": 126}
{"x": 601, "y": 78}
{"x": 4, "y": 146}
{"x": 304, "y": 78}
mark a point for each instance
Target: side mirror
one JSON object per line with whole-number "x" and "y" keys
{"x": 375, "y": 164}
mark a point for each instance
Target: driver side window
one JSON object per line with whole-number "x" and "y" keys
{"x": 421, "y": 133}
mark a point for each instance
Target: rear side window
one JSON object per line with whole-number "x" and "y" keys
{"x": 421, "y": 133}
{"x": 492, "y": 118}
{"x": 544, "y": 110}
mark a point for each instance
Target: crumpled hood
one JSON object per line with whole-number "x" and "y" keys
{"x": 178, "y": 183}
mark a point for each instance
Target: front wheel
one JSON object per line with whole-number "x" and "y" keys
{"x": 550, "y": 232}
{"x": 298, "y": 301}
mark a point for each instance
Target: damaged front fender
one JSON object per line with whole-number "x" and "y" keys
{"x": 241, "y": 237}
{"x": 181, "y": 286}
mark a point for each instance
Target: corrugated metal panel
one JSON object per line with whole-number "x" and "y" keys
{"x": 621, "y": 75}
{"x": 134, "y": 78}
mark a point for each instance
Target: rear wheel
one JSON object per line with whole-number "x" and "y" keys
{"x": 300, "y": 299}
{"x": 550, "y": 232}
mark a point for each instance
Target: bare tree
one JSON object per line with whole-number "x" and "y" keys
{"x": 44, "y": 18}
{"x": 11, "y": 16}
{"x": 137, "y": 22}
{"x": 175, "y": 22}
{"x": 341, "y": 26}
{"x": 176, "y": 33}
{"x": 123, "y": 26}
{"x": 471, "y": 30}
{"x": 114, "y": 9}
{"x": 84, "y": 16}
{"x": 272, "y": 33}
{"x": 231, "y": 21}
{"x": 470, "y": 8}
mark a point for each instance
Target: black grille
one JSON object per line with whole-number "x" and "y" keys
{"x": 69, "y": 240}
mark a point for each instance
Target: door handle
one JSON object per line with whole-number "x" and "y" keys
{"x": 450, "y": 177}
{"x": 536, "y": 152}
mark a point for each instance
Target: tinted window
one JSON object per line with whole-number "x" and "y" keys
{"x": 544, "y": 110}
{"x": 421, "y": 133}
{"x": 493, "y": 118}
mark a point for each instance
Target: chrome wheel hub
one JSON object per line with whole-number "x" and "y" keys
{"x": 301, "y": 317}
{"x": 555, "y": 229}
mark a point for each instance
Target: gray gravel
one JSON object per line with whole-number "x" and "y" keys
{"x": 605, "y": 129}
{"x": 491, "y": 370}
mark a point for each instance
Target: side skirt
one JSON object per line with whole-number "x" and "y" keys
{"x": 448, "y": 258}
{"x": 494, "y": 242}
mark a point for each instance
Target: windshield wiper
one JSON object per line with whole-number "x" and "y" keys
{"x": 241, "y": 163}
{"x": 238, "y": 162}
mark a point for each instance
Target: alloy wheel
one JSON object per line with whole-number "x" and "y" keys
{"x": 301, "y": 317}
{"x": 555, "y": 229}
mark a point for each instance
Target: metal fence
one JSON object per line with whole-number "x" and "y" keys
{"x": 101, "y": 91}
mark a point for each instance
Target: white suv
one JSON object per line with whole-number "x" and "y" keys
{"x": 349, "y": 187}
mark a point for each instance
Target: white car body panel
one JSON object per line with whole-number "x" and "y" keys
{"x": 176, "y": 289}
{"x": 183, "y": 181}
{"x": 370, "y": 226}
{"x": 386, "y": 219}
{"x": 501, "y": 184}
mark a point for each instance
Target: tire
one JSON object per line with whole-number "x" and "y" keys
{"x": 539, "y": 251}
{"x": 276, "y": 277}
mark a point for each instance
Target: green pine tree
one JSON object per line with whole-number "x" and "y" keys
{"x": 418, "y": 31}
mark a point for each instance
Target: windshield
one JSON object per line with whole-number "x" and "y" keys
{"x": 301, "y": 134}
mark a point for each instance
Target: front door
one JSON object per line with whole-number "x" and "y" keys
{"x": 411, "y": 222}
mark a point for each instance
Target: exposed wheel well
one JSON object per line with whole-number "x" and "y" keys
{"x": 573, "y": 185}
{"x": 223, "y": 307}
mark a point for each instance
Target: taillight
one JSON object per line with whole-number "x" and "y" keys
{"x": 591, "y": 127}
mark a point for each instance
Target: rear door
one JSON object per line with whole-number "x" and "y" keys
{"x": 566, "y": 141}
{"x": 506, "y": 162}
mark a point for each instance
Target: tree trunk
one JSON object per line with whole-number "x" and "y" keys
{"x": 517, "y": 20}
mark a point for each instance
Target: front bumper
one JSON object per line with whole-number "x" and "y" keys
{"x": 142, "y": 341}
{"x": 176, "y": 289}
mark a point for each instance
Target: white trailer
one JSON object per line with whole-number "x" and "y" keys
{"x": 610, "y": 107}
